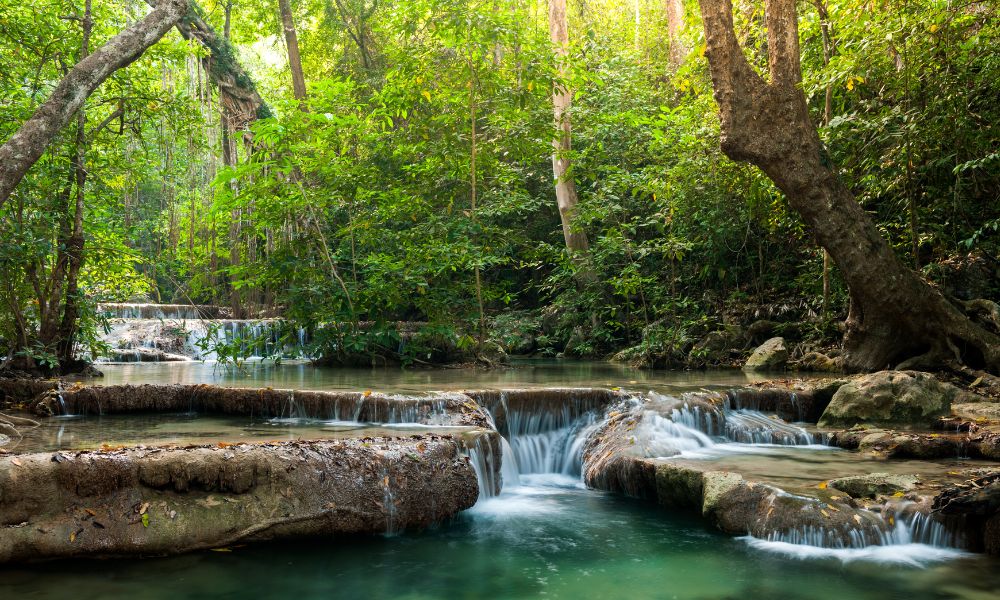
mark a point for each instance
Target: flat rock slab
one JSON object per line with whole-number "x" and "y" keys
{"x": 142, "y": 502}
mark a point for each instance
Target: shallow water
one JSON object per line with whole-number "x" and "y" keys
{"x": 522, "y": 374}
{"x": 548, "y": 537}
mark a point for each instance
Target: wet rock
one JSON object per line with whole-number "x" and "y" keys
{"x": 368, "y": 407}
{"x": 874, "y": 484}
{"x": 169, "y": 501}
{"x": 818, "y": 362}
{"x": 772, "y": 355}
{"x": 900, "y": 398}
{"x": 975, "y": 507}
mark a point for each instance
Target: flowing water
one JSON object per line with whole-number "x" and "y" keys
{"x": 544, "y": 534}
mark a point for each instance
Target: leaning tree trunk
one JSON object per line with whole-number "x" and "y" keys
{"x": 26, "y": 146}
{"x": 566, "y": 198}
{"x": 895, "y": 315}
{"x": 241, "y": 103}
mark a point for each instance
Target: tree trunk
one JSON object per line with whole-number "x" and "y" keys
{"x": 292, "y": 44}
{"x": 675, "y": 23}
{"x": 26, "y": 146}
{"x": 566, "y": 199}
{"x": 895, "y": 315}
{"x": 75, "y": 243}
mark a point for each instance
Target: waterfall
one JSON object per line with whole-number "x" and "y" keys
{"x": 913, "y": 540}
{"x": 158, "y": 332}
{"x": 718, "y": 425}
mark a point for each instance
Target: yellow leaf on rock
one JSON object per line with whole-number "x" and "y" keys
{"x": 857, "y": 519}
{"x": 822, "y": 485}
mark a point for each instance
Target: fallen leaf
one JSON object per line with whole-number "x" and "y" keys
{"x": 825, "y": 514}
{"x": 144, "y": 508}
{"x": 833, "y": 508}
{"x": 16, "y": 462}
{"x": 145, "y": 520}
{"x": 898, "y": 495}
{"x": 222, "y": 549}
{"x": 822, "y": 485}
{"x": 857, "y": 519}
{"x": 90, "y": 512}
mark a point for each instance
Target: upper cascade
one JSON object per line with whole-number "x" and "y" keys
{"x": 177, "y": 332}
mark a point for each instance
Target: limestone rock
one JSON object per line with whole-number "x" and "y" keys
{"x": 770, "y": 356}
{"x": 816, "y": 361}
{"x": 874, "y": 484}
{"x": 900, "y": 398}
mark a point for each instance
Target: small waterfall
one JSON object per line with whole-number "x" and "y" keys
{"x": 155, "y": 332}
{"x": 913, "y": 540}
{"x": 389, "y": 503}
{"x": 726, "y": 424}
{"x": 482, "y": 457}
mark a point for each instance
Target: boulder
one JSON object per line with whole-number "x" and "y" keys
{"x": 898, "y": 398}
{"x": 772, "y": 355}
{"x": 715, "y": 348}
{"x": 874, "y": 484}
{"x": 816, "y": 361}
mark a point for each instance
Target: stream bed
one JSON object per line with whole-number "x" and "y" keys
{"x": 544, "y": 535}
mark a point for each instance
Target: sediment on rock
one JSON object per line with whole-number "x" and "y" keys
{"x": 142, "y": 502}
{"x": 974, "y": 509}
{"x": 972, "y": 443}
{"x": 441, "y": 409}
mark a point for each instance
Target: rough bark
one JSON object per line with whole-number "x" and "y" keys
{"x": 160, "y": 501}
{"x": 26, "y": 146}
{"x": 895, "y": 315}
{"x": 562, "y": 98}
{"x": 241, "y": 104}
{"x": 292, "y": 45}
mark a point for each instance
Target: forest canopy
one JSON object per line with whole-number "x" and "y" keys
{"x": 350, "y": 165}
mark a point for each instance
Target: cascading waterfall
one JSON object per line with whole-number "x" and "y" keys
{"x": 692, "y": 428}
{"x": 151, "y": 332}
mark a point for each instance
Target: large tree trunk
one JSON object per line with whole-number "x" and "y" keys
{"x": 566, "y": 199}
{"x": 292, "y": 45}
{"x": 895, "y": 315}
{"x": 26, "y": 146}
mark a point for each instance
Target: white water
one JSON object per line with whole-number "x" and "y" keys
{"x": 693, "y": 432}
{"x": 138, "y": 332}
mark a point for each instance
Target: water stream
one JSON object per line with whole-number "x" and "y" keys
{"x": 544, "y": 534}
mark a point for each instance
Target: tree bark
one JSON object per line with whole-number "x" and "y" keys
{"x": 75, "y": 243}
{"x": 895, "y": 315}
{"x": 26, "y": 146}
{"x": 675, "y": 23}
{"x": 292, "y": 45}
{"x": 566, "y": 198}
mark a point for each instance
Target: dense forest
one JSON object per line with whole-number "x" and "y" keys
{"x": 389, "y": 177}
